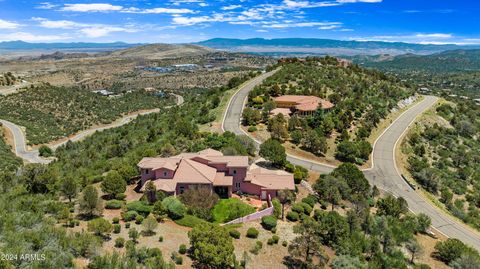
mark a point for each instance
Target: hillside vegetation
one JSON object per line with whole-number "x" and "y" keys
{"x": 362, "y": 99}
{"x": 443, "y": 62}
{"x": 444, "y": 153}
{"x": 49, "y": 112}
{"x": 7, "y": 79}
{"x": 8, "y": 160}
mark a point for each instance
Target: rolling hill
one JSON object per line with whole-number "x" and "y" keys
{"x": 161, "y": 51}
{"x": 443, "y": 62}
{"x": 288, "y": 46}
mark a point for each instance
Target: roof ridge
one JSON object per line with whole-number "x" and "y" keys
{"x": 188, "y": 162}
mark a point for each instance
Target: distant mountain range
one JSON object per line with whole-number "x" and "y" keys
{"x": 21, "y": 45}
{"x": 442, "y": 62}
{"x": 313, "y": 46}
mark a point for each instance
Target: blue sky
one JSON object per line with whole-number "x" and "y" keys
{"x": 180, "y": 21}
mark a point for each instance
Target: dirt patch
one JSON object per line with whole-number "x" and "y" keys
{"x": 270, "y": 256}
{"x": 428, "y": 244}
{"x": 8, "y": 137}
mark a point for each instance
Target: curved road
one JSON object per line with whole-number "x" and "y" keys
{"x": 384, "y": 172}
{"x": 32, "y": 156}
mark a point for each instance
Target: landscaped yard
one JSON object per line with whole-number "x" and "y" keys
{"x": 230, "y": 209}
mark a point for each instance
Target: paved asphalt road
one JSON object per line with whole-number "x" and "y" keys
{"x": 384, "y": 173}
{"x": 32, "y": 156}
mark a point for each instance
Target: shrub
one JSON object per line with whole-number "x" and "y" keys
{"x": 160, "y": 239}
{"x": 130, "y": 215}
{"x": 252, "y": 233}
{"x": 275, "y": 239}
{"x": 176, "y": 210}
{"x": 119, "y": 242}
{"x": 256, "y": 249}
{"x": 307, "y": 209}
{"x": 100, "y": 226}
{"x": 252, "y": 129}
{"x": 45, "y": 151}
{"x": 117, "y": 228}
{"x": 449, "y": 250}
{"x": 177, "y": 258}
{"x": 269, "y": 222}
{"x": 311, "y": 200}
{"x": 297, "y": 207}
{"x": 270, "y": 241}
{"x": 292, "y": 216}
{"x": 139, "y": 207}
{"x": 115, "y": 220}
{"x": 234, "y": 233}
{"x": 284, "y": 243}
{"x": 182, "y": 249}
{"x": 114, "y": 204}
{"x": 127, "y": 225}
{"x": 138, "y": 219}
{"x": 120, "y": 196}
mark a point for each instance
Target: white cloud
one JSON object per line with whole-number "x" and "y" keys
{"x": 160, "y": 10}
{"x": 61, "y": 24}
{"x": 8, "y": 24}
{"x": 103, "y": 30}
{"x": 28, "y": 37}
{"x": 442, "y": 36}
{"x": 46, "y": 5}
{"x": 326, "y": 25}
{"x": 89, "y": 30}
{"x": 94, "y": 7}
{"x": 231, "y": 7}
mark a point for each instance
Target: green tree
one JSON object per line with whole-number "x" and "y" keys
{"x": 306, "y": 246}
{"x": 314, "y": 143}
{"x": 354, "y": 178}
{"x": 423, "y": 222}
{"x": 331, "y": 189}
{"x": 45, "y": 151}
{"x": 159, "y": 211}
{"x": 151, "y": 192}
{"x": 212, "y": 247}
{"x": 468, "y": 260}
{"x": 69, "y": 188}
{"x": 113, "y": 184}
{"x": 414, "y": 248}
{"x": 251, "y": 116}
{"x": 274, "y": 152}
{"x": 90, "y": 203}
{"x": 285, "y": 197}
{"x": 392, "y": 206}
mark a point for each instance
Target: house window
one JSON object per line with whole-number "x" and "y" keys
{"x": 165, "y": 173}
{"x": 182, "y": 189}
{"x": 234, "y": 171}
{"x": 237, "y": 185}
{"x": 147, "y": 171}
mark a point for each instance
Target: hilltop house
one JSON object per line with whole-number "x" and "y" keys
{"x": 211, "y": 169}
{"x": 302, "y": 104}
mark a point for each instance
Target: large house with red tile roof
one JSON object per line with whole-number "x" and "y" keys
{"x": 302, "y": 104}
{"x": 211, "y": 169}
